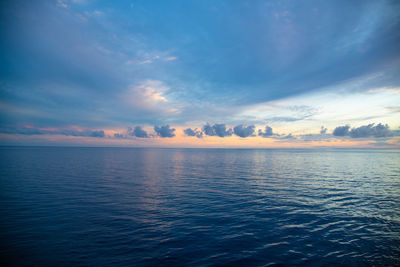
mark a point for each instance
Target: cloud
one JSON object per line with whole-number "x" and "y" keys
{"x": 267, "y": 133}
{"x": 393, "y": 109}
{"x": 67, "y": 132}
{"x": 314, "y": 137}
{"x": 96, "y": 79}
{"x": 244, "y": 132}
{"x": 97, "y": 134}
{"x": 87, "y": 133}
{"x": 208, "y": 130}
{"x": 164, "y": 131}
{"x": 289, "y": 136}
{"x": 150, "y": 99}
{"x": 217, "y": 130}
{"x": 381, "y": 144}
{"x": 24, "y": 131}
{"x": 138, "y": 132}
{"x": 193, "y": 132}
{"x": 371, "y": 130}
{"x": 152, "y": 91}
{"x": 62, "y": 3}
{"x": 323, "y": 130}
{"x": 170, "y": 58}
{"x": 285, "y": 137}
{"x": 119, "y": 136}
{"x": 153, "y": 57}
{"x": 286, "y": 119}
{"x": 341, "y": 130}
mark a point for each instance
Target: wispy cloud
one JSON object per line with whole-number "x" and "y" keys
{"x": 28, "y": 130}
{"x": 170, "y": 58}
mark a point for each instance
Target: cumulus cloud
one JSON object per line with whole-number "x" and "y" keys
{"x": 138, "y": 132}
{"x": 371, "y": 130}
{"x": 323, "y": 130}
{"x": 341, "y": 130}
{"x": 267, "y": 133}
{"x": 208, "y": 130}
{"x": 193, "y": 132}
{"x": 217, "y": 130}
{"x": 243, "y": 131}
{"x": 164, "y": 131}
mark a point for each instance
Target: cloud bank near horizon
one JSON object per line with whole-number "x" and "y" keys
{"x": 217, "y": 130}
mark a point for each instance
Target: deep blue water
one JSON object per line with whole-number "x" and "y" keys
{"x": 136, "y": 206}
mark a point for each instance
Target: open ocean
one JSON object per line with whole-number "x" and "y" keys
{"x": 234, "y": 207}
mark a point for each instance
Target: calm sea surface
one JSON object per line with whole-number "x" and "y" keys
{"x": 136, "y": 206}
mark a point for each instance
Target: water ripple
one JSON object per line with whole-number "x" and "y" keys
{"x": 146, "y": 207}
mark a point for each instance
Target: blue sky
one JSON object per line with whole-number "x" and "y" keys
{"x": 89, "y": 66}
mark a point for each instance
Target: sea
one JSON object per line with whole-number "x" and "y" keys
{"x": 76, "y": 206}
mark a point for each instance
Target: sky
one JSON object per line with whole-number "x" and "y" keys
{"x": 309, "y": 74}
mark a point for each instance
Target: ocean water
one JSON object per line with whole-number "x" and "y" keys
{"x": 198, "y": 207}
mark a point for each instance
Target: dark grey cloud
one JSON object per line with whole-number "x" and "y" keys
{"x": 371, "y": 130}
{"x": 217, "y": 130}
{"x": 164, "y": 131}
{"x": 243, "y": 131}
{"x": 193, "y": 132}
{"x": 138, "y": 132}
{"x": 323, "y": 130}
{"x": 208, "y": 130}
{"x": 267, "y": 133}
{"x": 341, "y": 130}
